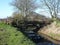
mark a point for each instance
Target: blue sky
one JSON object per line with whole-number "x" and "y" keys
{"x": 5, "y": 8}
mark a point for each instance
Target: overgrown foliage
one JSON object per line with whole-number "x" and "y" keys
{"x": 17, "y": 19}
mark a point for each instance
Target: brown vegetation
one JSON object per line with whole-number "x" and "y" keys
{"x": 52, "y": 32}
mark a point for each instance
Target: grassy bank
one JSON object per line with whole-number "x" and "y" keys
{"x": 10, "y": 36}
{"x": 51, "y": 31}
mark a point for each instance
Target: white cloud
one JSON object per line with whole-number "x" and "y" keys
{"x": 43, "y": 12}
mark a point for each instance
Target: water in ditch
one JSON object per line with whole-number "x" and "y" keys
{"x": 38, "y": 39}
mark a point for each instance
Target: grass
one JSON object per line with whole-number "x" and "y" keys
{"x": 58, "y": 22}
{"x": 10, "y": 36}
{"x": 52, "y": 30}
{"x": 54, "y": 35}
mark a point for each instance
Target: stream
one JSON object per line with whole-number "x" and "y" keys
{"x": 38, "y": 39}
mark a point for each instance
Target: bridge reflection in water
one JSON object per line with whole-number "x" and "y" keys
{"x": 30, "y": 30}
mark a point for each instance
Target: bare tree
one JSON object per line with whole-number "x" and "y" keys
{"x": 25, "y": 6}
{"x": 53, "y": 7}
